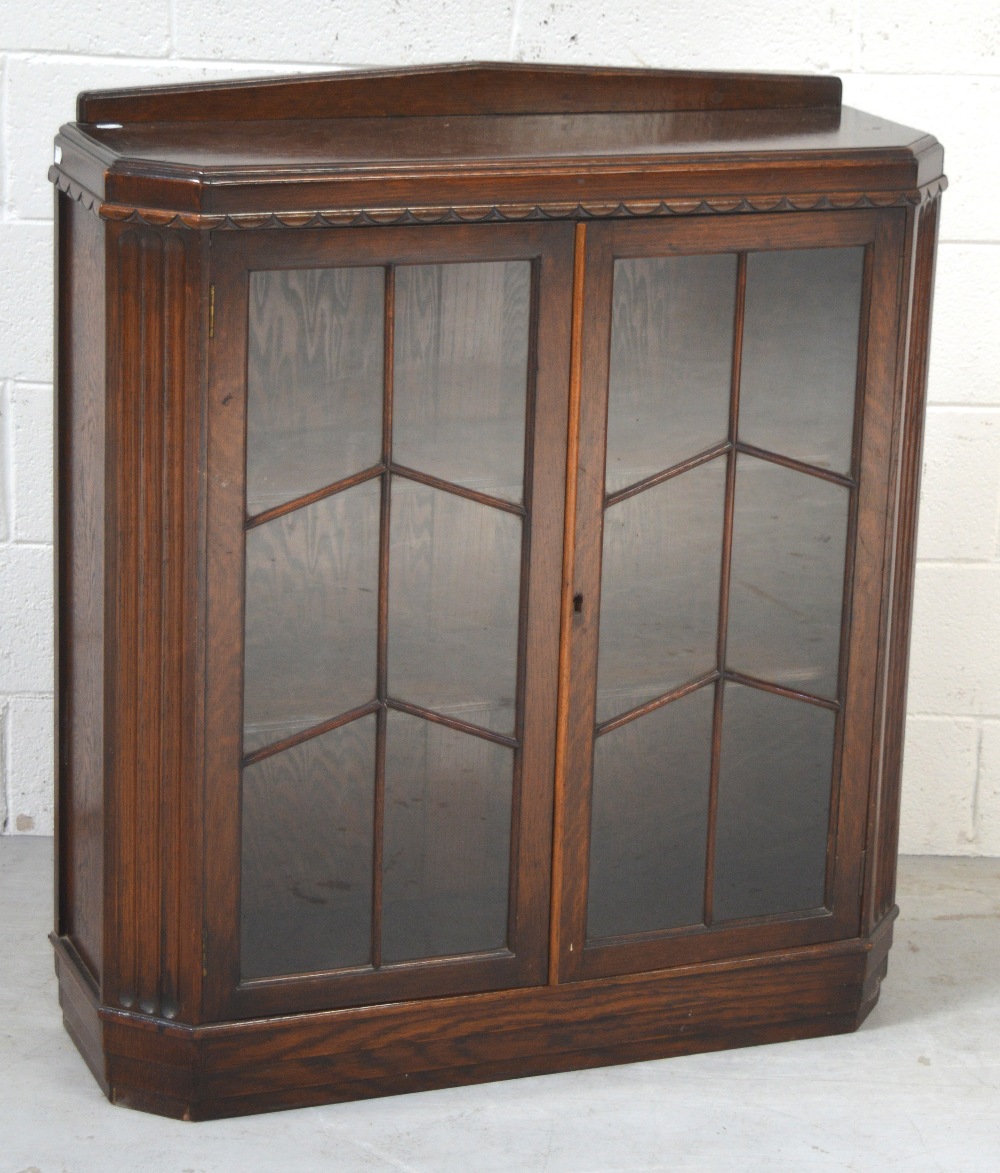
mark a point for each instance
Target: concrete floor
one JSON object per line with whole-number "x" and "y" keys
{"x": 917, "y": 1088}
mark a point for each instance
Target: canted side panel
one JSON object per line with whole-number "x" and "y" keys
{"x": 154, "y": 595}
{"x": 885, "y": 801}
{"x": 80, "y": 576}
{"x": 78, "y": 1000}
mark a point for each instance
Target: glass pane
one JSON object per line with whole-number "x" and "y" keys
{"x": 800, "y": 353}
{"x": 774, "y": 804}
{"x": 671, "y": 357}
{"x": 787, "y": 586}
{"x": 306, "y": 884}
{"x": 446, "y": 841}
{"x": 660, "y": 588}
{"x": 454, "y": 587}
{"x": 311, "y": 615}
{"x": 461, "y": 372}
{"x": 314, "y": 380}
{"x": 649, "y": 820}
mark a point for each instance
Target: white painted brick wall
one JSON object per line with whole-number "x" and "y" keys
{"x": 932, "y": 65}
{"x": 344, "y": 32}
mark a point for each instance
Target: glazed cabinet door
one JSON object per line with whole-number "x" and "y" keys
{"x": 735, "y": 431}
{"x": 385, "y": 513}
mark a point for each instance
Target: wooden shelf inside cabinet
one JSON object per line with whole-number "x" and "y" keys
{"x": 486, "y": 536}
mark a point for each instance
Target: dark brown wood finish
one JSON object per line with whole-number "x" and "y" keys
{"x": 160, "y": 221}
{"x": 572, "y": 603}
{"x": 526, "y": 960}
{"x": 656, "y": 179}
{"x": 483, "y": 141}
{"x": 470, "y": 88}
{"x": 232, "y": 1069}
{"x": 152, "y": 926}
{"x": 80, "y": 581}
{"x": 880, "y": 881}
{"x": 882, "y": 232}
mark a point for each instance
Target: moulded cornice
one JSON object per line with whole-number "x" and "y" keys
{"x": 476, "y": 213}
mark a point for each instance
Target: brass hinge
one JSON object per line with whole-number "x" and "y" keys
{"x": 211, "y": 311}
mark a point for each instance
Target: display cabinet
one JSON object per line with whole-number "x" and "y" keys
{"x": 486, "y": 510}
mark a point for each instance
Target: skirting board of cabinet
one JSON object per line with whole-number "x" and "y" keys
{"x": 236, "y": 1068}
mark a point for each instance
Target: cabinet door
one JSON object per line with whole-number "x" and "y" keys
{"x": 738, "y": 382}
{"x": 385, "y": 511}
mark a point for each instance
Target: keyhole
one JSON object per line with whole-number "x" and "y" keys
{"x": 578, "y": 604}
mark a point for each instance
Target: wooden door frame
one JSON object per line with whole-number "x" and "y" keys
{"x": 882, "y": 233}
{"x": 232, "y": 258}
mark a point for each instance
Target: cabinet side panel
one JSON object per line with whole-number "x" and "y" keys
{"x": 886, "y": 798}
{"x": 80, "y": 405}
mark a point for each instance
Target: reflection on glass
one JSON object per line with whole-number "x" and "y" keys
{"x": 446, "y": 845}
{"x": 311, "y": 615}
{"x": 649, "y": 820}
{"x": 671, "y": 357}
{"x": 774, "y": 804}
{"x": 461, "y": 371}
{"x": 787, "y": 584}
{"x": 660, "y": 588}
{"x": 306, "y": 880}
{"x": 800, "y": 353}
{"x": 454, "y": 593}
{"x": 314, "y": 380}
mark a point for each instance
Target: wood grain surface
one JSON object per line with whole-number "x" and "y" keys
{"x": 509, "y": 545}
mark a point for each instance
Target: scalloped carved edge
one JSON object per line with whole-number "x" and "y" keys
{"x": 491, "y": 213}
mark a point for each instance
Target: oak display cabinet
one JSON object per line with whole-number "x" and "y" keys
{"x": 486, "y": 534}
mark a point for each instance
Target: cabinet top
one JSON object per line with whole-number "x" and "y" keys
{"x": 468, "y": 141}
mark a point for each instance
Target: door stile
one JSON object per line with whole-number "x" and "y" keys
{"x": 567, "y": 601}
{"x": 581, "y": 591}
{"x": 857, "y": 442}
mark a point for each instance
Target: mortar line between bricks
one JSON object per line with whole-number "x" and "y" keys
{"x": 856, "y": 36}
{"x": 41, "y": 55}
{"x": 963, "y": 407}
{"x": 5, "y": 759}
{"x": 7, "y": 466}
{"x": 515, "y": 28}
{"x": 990, "y": 563}
{"x": 975, "y": 718}
{"x": 996, "y": 527}
{"x": 915, "y": 74}
{"x": 45, "y": 56}
{"x": 4, "y": 152}
{"x": 974, "y": 812}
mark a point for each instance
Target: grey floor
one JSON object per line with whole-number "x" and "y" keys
{"x": 917, "y": 1088}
